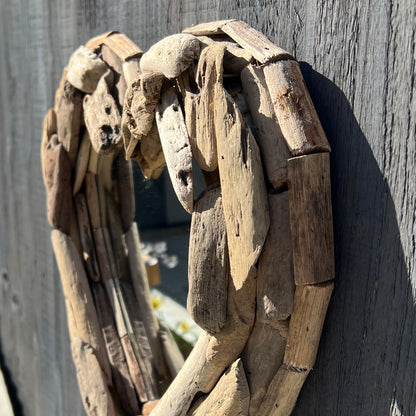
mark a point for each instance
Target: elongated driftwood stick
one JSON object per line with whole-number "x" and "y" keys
{"x": 81, "y": 164}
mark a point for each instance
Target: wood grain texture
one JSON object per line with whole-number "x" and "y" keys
{"x": 358, "y": 63}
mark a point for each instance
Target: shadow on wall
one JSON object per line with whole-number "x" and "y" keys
{"x": 366, "y": 361}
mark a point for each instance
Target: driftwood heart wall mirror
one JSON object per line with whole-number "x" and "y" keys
{"x": 261, "y": 263}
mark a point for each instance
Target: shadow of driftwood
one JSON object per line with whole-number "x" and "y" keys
{"x": 366, "y": 361}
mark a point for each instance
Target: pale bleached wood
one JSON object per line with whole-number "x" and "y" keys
{"x": 209, "y": 28}
{"x": 87, "y": 242}
{"x": 208, "y": 265}
{"x": 245, "y": 206}
{"x": 148, "y": 407}
{"x": 171, "y": 352}
{"x": 120, "y": 373}
{"x": 49, "y": 128}
{"x": 282, "y": 393}
{"x": 81, "y": 163}
{"x": 85, "y": 69}
{"x": 95, "y": 42}
{"x": 275, "y": 281}
{"x": 311, "y": 218}
{"x": 171, "y": 55}
{"x": 176, "y": 147}
{"x": 294, "y": 108}
{"x": 258, "y": 45}
{"x": 122, "y": 46}
{"x": 93, "y": 161}
{"x": 131, "y": 70}
{"x": 95, "y": 392}
{"x": 309, "y": 311}
{"x": 102, "y": 119}
{"x": 230, "y": 396}
{"x": 153, "y": 159}
{"x": 274, "y": 150}
{"x": 262, "y": 357}
{"x": 212, "y": 354}
{"x": 81, "y": 313}
{"x": 68, "y": 108}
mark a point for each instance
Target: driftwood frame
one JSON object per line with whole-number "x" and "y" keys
{"x": 261, "y": 262}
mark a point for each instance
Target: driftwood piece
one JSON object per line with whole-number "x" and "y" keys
{"x": 91, "y": 194}
{"x": 309, "y": 311}
{"x": 245, "y": 206}
{"x": 49, "y": 128}
{"x": 207, "y": 29}
{"x": 87, "y": 242}
{"x": 95, "y": 42}
{"x": 102, "y": 119}
{"x": 173, "y": 356}
{"x": 95, "y": 393}
{"x": 81, "y": 164}
{"x": 148, "y": 407}
{"x": 294, "y": 109}
{"x": 93, "y": 162}
{"x": 208, "y": 266}
{"x": 85, "y": 69}
{"x": 57, "y": 174}
{"x": 254, "y": 42}
{"x": 274, "y": 150}
{"x": 311, "y": 218}
{"x": 81, "y": 313}
{"x": 236, "y": 58}
{"x": 176, "y": 147}
{"x": 275, "y": 281}
{"x": 121, "y": 377}
{"x": 102, "y": 255}
{"x": 131, "y": 70}
{"x": 68, "y": 108}
{"x": 230, "y": 396}
{"x": 122, "y": 46}
{"x": 282, "y": 392}
{"x": 262, "y": 357}
{"x": 172, "y": 55}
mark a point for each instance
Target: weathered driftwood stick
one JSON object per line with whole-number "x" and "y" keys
{"x": 208, "y": 265}
{"x": 82, "y": 161}
{"x": 282, "y": 392}
{"x": 85, "y": 68}
{"x": 236, "y": 58}
{"x": 121, "y": 377}
{"x": 275, "y": 281}
{"x": 95, "y": 393}
{"x": 91, "y": 194}
{"x": 68, "y": 108}
{"x": 309, "y": 311}
{"x": 49, "y": 129}
{"x": 245, "y": 207}
{"x": 148, "y": 407}
{"x": 172, "y": 55}
{"x": 102, "y": 119}
{"x": 230, "y": 396}
{"x": 95, "y": 42}
{"x": 311, "y": 218}
{"x": 176, "y": 147}
{"x": 93, "y": 162}
{"x": 122, "y": 46}
{"x": 82, "y": 316}
{"x": 173, "y": 356}
{"x": 103, "y": 261}
{"x": 274, "y": 150}
{"x": 131, "y": 70}
{"x": 208, "y": 29}
{"x": 294, "y": 109}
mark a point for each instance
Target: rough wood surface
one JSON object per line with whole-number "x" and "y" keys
{"x": 208, "y": 28}
{"x": 311, "y": 222}
{"x": 208, "y": 264}
{"x": 357, "y": 61}
{"x": 122, "y": 46}
{"x": 173, "y": 356}
{"x": 81, "y": 164}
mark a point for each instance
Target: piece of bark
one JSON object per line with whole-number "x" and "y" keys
{"x": 68, "y": 108}
{"x": 230, "y": 396}
{"x": 95, "y": 393}
{"x": 274, "y": 149}
{"x": 48, "y": 130}
{"x": 212, "y": 354}
{"x": 85, "y": 68}
{"x": 254, "y": 42}
{"x": 282, "y": 392}
{"x": 173, "y": 356}
{"x": 122, "y": 46}
{"x": 102, "y": 119}
{"x": 121, "y": 377}
{"x": 171, "y": 55}
{"x": 95, "y": 42}
{"x": 245, "y": 206}
{"x": 294, "y": 108}
{"x": 125, "y": 186}
{"x": 309, "y": 311}
{"x": 82, "y": 162}
{"x": 81, "y": 313}
{"x": 207, "y": 29}
{"x": 176, "y": 147}
{"x": 311, "y": 218}
{"x": 87, "y": 242}
{"x": 57, "y": 174}
{"x": 209, "y": 72}
{"x": 208, "y": 266}
{"x": 262, "y": 357}
{"x": 131, "y": 70}
{"x": 275, "y": 281}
